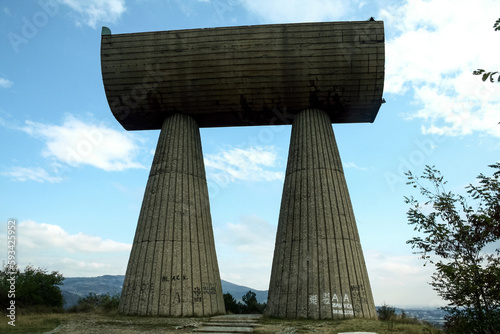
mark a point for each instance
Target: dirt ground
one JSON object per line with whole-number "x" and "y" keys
{"x": 126, "y": 325}
{"x": 85, "y": 323}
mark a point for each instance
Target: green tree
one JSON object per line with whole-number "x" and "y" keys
{"x": 491, "y": 75}
{"x": 458, "y": 235}
{"x": 231, "y": 304}
{"x": 34, "y": 288}
{"x": 251, "y": 303}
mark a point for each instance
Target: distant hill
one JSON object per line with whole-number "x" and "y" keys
{"x": 77, "y": 287}
{"x": 237, "y": 291}
{"x": 74, "y": 288}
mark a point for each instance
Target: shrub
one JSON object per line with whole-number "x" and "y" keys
{"x": 97, "y": 303}
{"x": 35, "y": 289}
{"x": 386, "y": 313}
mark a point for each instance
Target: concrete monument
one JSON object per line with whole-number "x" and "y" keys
{"x": 310, "y": 75}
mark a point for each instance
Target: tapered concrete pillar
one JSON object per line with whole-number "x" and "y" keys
{"x": 173, "y": 268}
{"x": 318, "y": 267}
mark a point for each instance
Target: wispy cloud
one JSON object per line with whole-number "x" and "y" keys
{"x": 5, "y": 83}
{"x": 93, "y": 12}
{"x": 76, "y": 143}
{"x": 37, "y": 174}
{"x": 353, "y": 165}
{"x": 50, "y": 246}
{"x": 250, "y": 164}
{"x": 245, "y": 251}
{"x": 431, "y": 51}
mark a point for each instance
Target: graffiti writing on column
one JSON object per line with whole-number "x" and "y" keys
{"x": 174, "y": 278}
{"x": 207, "y": 289}
{"x": 197, "y": 295}
{"x": 144, "y": 291}
{"x": 176, "y": 299}
{"x": 358, "y": 297}
{"x": 341, "y": 304}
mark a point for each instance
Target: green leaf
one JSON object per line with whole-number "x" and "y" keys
{"x": 478, "y": 72}
{"x": 491, "y": 76}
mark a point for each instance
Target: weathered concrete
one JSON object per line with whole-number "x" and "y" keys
{"x": 318, "y": 267}
{"x": 245, "y": 76}
{"x": 173, "y": 270}
{"x": 233, "y": 323}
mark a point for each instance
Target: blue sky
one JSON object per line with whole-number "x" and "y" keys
{"x": 74, "y": 178}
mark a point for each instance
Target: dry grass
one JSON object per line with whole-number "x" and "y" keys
{"x": 32, "y": 323}
{"x": 338, "y": 326}
{"x": 79, "y": 323}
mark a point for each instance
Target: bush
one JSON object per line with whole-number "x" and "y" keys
{"x": 35, "y": 289}
{"x": 386, "y": 313}
{"x": 97, "y": 303}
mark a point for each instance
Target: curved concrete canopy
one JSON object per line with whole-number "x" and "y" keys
{"x": 241, "y": 76}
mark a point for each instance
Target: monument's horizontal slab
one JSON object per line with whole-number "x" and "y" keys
{"x": 239, "y": 76}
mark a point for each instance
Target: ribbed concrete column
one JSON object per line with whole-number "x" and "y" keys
{"x": 318, "y": 267}
{"x": 173, "y": 268}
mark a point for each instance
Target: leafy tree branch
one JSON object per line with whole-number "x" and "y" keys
{"x": 455, "y": 234}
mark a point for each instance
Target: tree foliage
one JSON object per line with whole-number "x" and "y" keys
{"x": 496, "y": 26}
{"x": 34, "y": 288}
{"x": 487, "y": 75}
{"x": 97, "y": 303}
{"x": 231, "y": 304}
{"x": 458, "y": 234}
{"x": 492, "y": 74}
{"x": 249, "y": 305}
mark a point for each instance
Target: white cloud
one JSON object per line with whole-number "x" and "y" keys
{"x": 245, "y": 251}
{"x": 46, "y": 236}
{"x": 78, "y": 143}
{"x": 50, "y": 246}
{"x": 33, "y": 174}
{"x": 93, "y": 12}
{"x": 295, "y": 11}
{"x": 353, "y": 165}
{"x": 5, "y": 83}
{"x": 252, "y": 164}
{"x": 396, "y": 279}
{"x": 431, "y": 51}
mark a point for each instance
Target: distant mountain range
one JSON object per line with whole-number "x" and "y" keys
{"x": 78, "y": 287}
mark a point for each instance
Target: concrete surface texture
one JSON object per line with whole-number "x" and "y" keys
{"x": 173, "y": 270}
{"x": 245, "y": 76}
{"x": 318, "y": 268}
